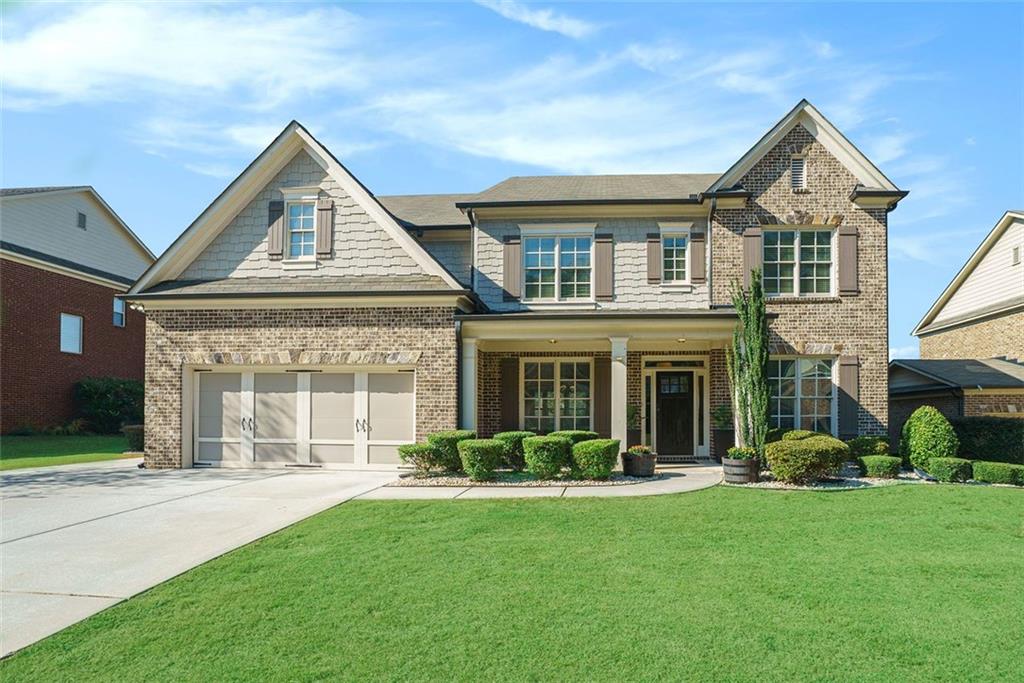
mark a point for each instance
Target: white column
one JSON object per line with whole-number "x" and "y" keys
{"x": 619, "y": 389}
{"x": 467, "y": 411}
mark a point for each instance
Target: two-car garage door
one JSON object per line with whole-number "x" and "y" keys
{"x": 322, "y": 417}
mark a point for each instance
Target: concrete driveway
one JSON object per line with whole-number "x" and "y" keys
{"x": 79, "y": 538}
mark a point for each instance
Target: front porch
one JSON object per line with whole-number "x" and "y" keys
{"x": 652, "y": 379}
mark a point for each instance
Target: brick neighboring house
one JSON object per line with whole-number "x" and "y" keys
{"x": 64, "y": 257}
{"x": 301, "y": 320}
{"x": 972, "y": 337}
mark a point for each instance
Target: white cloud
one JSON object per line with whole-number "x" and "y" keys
{"x": 882, "y": 149}
{"x": 909, "y": 351}
{"x": 214, "y": 170}
{"x": 543, "y": 19}
{"x": 822, "y": 48}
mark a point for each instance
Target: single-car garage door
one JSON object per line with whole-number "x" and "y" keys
{"x": 315, "y": 417}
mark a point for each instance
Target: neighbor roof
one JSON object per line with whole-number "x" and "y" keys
{"x": 427, "y": 210}
{"x": 991, "y": 373}
{"x": 15, "y": 191}
{"x": 663, "y": 187}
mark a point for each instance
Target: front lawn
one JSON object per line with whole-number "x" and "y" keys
{"x": 37, "y": 451}
{"x": 898, "y": 583}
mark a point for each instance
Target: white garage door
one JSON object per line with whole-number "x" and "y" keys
{"x": 320, "y": 418}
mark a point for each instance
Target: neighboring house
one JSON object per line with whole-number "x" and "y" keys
{"x": 981, "y": 313}
{"x": 64, "y": 257}
{"x": 300, "y": 320}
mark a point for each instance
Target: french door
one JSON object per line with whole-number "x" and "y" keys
{"x": 314, "y": 418}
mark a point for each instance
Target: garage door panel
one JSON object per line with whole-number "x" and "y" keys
{"x": 383, "y": 455}
{"x": 391, "y": 406}
{"x": 211, "y": 451}
{"x": 326, "y": 454}
{"x": 275, "y": 452}
{"x": 220, "y": 405}
{"x": 276, "y": 402}
{"x": 332, "y": 406}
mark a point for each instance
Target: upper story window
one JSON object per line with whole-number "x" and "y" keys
{"x": 81, "y": 220}
{"x": 70, "y": 333}
{"x": 118, "y": 312}
{"x": 301, "y": 229}
{"x": 557, "y": 268}
{"x": 802, "y": 395}
{"x": 798, "y": 172}
{"x": 797, "y": 262}
{"x": 673, "y": 258}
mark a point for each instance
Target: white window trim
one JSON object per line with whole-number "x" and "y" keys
{"x": 797, "y": 398}
{"x": 676, "y": 230}
{"x": 803, "y": 185}
{"x": 557, "y": 360}
{"x": 81, "y": 333}
{"x": 123, "y": 312}
{"x": 298, "y": 262}
{"x": 833, "y": 274}
{"x": 557, "y": 231}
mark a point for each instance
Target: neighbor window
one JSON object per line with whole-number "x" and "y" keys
{"x": 801, "y": 393}
{"x": 798, "y": 173}
{"x": 556, "y": 395}
{"x": 557, "y": 268}
{"x": 81, "y": 220}
{"x": 301, "y": 229}
{"x": 673, "y": 258}
{"x": 70, "y": 333}
{"x": 118, "y": 312}
{"x": 797, "y": 262}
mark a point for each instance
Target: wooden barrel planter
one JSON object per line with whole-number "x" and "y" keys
{"x": 741, "y": 471}
{"x": 634, "y": 465}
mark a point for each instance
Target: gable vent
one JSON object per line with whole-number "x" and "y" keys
{"x": 797, "y": 171}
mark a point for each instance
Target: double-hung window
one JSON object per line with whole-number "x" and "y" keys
{"x": 301, "y": 230}
{"x": 673, "y": 258}
{"x": 70, "y": 333}
{"x": 557, "y": 268}
{"x": 802, "y": 393}
{"x": 556, "y": 395}
{"x": 797, "y": 262}
{"x": 118, "y": 312}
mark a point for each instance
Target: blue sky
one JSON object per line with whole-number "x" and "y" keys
{"x": 159, "y": 105}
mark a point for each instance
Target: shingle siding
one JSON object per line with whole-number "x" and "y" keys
{"x": 455, "y": 255}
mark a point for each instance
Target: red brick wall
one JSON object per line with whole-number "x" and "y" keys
{"x": 36, "y": 378}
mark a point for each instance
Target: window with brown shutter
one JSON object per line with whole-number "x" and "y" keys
{"x": 275, "y": 229}
{"x": 849, "y": 396}
{"x": 751, "y": 252}
{"x": 654, "y": 258}
{"x": 603, "y": 268}
{"x": 698, "y": 258}
{"x": 847, "y": 261}
{"x": 324, "y": 227}
{"x": 512, "y": 263}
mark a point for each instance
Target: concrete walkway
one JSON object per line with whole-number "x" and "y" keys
{"x": 676, "y": 479}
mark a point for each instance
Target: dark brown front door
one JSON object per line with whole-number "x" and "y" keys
{"x": 675, "y": 413}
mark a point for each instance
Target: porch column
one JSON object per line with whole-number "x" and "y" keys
{"x": 618, "y": 411}
{"x": 467, "y": 411}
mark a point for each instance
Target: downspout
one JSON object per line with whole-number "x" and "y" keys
{"x": 711, "y": 258}
{"x": 458, "y": 374}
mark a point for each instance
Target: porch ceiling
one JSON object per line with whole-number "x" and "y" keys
{"x": 703, "y": 327}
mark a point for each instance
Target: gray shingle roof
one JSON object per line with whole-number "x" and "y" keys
{"x": 969, "y": 373}
{"x": 309, "y": 286}
{"x": 643, "y": 187}
{"x": 427, "y": 210}
{"x": 14, "y": 191}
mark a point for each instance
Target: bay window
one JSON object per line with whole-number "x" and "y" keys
{"x": 802, "y": 394}
{"x": 556, "y": 395}
{"x": 797, "y": 262}
{"x": 557, "y": 268}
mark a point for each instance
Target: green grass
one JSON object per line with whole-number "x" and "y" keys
{"x": 37, "y": 451}
{"x": 901, "y": 583}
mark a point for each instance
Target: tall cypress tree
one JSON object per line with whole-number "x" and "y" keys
{"x": 747, "y": 362}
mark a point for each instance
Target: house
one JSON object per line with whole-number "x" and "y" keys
{"x": 301, "y": 320}
{"x": 972, "y": 338}
{"x": 64, "y": 257}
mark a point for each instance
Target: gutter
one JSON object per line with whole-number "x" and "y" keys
{"x": 692, "y": 199}
{"x": 302, "y": 295}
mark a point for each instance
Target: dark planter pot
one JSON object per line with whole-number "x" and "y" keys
{"x": 741, "y": 471}
{"x": 724, "y": 439}
{"x": 638, "y": 465}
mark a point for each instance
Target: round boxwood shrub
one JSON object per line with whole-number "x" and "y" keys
{"x": 447, "y": 445}
{"x": 798, "y": 434}
{"x": 880, "y": 466}
{"x": 480, "y": 457}
{"x": 950, "y": 469}
{"x": 514, "y": 448}
{"x": 927, "y": 434}
{"x": 595, "y": 459}
{"x": 575, "y": 436}
{"x": 868, "y": 445}
{"x": 998, "y": 472}
{"x": 546, "y": 455}
{"x": 803, "y": 460}
{"x": 422, "y": 456}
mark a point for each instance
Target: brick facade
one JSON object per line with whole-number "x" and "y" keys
{"x": 39, "y": 379}
{"x": 969, "y": 404}
{"x": 175, "y": 337}
{"x": 848, "y": 326}
{"x": 999, "y": 336}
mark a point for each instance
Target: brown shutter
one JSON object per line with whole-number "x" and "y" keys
{"x": 849, "y": 401}
{"x": 653, "y": 258}
{"x": 698, "y": 263}
{"x": 275, "y": 229}
{"x": 603, "y": 267}
{"x": 847, "y": 260}
{"x": 603, "y": 397}
{"x": 512, "y": 268}
{"x": 324, "y": 227}
{"x": 509, "y": 394}
{"x": 752, "y": 252}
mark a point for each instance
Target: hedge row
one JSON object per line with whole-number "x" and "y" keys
{"x": 801, "y": 457}
{"x": 994, "y": 439}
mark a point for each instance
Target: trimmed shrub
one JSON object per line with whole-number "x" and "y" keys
{"x": 800, "y": 461}
{"x": 546, "y": 455}
{"x": 107, "y": 403}
{"x": 136, "y": 435}
{"x": 75, "y": 427}
{"x": 998, "y": 472}
{"x": 422, "y": 456}
{"x": 868, "y": 445}
{"x": 880, "y": 466}
{"x": 447, "y": 445}
{"x": 575, "y": 436}
{"x": 774, "y": 434}
{"x": 950, "y": 469}
{"x": 798, "y": 434}
{"x": 927, "y": 434}
{"x": 480, "y": 457}
{"x": 996, "y": 439}
{"x": 514, "y": 448}
{"x": 595, "y": 459}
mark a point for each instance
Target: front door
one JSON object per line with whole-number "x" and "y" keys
{"x": 674, "y": 413}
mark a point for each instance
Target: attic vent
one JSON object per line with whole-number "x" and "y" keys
{"x": 1016, "y": 257}
{"x": 81, "y": 220}
{"x": 798, "y": 177}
